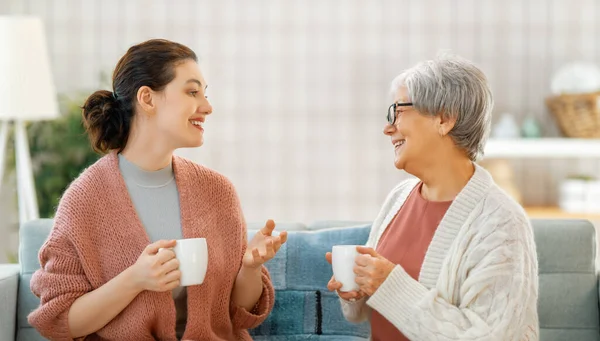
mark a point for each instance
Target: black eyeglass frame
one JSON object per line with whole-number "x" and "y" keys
{"x": 392, "y": 111}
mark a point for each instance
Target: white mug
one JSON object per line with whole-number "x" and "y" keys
{"x": 192, "y": 254}
{"x": 343, "y": 261}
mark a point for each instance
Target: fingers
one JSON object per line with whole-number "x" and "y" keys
{"x": 270, "y": 250}
{"x": 152, "y": 249}
{"x": 349, "y": 295}
{"x": 363, "y": 260}
{"x": 283, "y": 235}
{"x": 366, "y": 251}
{"x": 165, "y": 255}
{"x": 276, "y": 244}
{"x": 360, "y": 271}
{"x": 328, "y": 256}
{"x": 269, "y": 227}
{"x": 333, "y": 284}
{"x": 257, "y": 257}
{"x": 172, "y": 280}
{"x": 170, "y": 265}
{"x": 360, "y": 280}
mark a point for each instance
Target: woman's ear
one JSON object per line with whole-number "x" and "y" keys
{"x": 146, "y": 100}
{"x": 445, "y": 124}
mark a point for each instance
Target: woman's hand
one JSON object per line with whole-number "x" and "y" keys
{"x": 263, "y": 246}
{"x": 371, "y": 270}
{"x": 157, "y": 269}
{"x": 335, "y": 285}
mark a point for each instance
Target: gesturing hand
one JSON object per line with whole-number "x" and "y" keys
{"x": 263, "y": 246}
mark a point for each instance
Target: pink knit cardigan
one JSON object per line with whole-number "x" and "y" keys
{"x": 97, "y": 234}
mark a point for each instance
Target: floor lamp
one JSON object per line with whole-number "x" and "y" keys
{"x": 27, "y": 93}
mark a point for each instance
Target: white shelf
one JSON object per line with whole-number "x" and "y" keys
{"x": 542, "y": 148}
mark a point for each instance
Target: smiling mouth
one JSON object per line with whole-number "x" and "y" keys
{"x": 399, "y": 144}
{"x": 197, "y": 124}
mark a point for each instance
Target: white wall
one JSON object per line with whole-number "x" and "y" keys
{"x": 300, "y": 87}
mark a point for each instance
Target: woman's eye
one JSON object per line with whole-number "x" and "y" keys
{"x": 193, "y": 93}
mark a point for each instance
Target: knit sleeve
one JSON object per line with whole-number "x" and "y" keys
{"x": 59, "y": 281}
{"x": 490, "y": 304}
{"x": 240, "y": 317}
{"x": 243, "y": 319}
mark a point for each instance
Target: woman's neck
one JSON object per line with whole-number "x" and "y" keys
{"x": 146, "y": 153}
{"x": 446, "y": 177}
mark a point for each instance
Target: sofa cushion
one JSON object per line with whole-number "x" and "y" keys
{"x": 9, "y": 284}
{"x": 294, "y": 313}
{"x": 32, "y": 236}
{"x": 568, "y": 285}
{"x": 327, "y": 224}
{"x": 279, "y": 226}
{"x": 301, "y": 267}
{"x": 306, "y": 252}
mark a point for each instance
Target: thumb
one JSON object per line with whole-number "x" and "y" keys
{"x": 367, "y": 251}
{"x": 153, "y": 248}
{"x": 328, "y": 257}
{"x": 269, "y": 227}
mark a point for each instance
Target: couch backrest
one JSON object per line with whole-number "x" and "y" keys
{"x": 303, "y": 306}
{"x": 299, "y": 271}
{"x": 568, "y": 297}
{"x": 32, "y": 236}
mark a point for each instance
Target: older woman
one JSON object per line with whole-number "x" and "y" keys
{"x": 450, "y": 256}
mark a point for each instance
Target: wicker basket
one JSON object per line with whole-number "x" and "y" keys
{"x": 577, "y": 115}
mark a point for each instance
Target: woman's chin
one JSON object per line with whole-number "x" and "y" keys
{"x": 193, "y": 142}
{"x": 399, "y": 163}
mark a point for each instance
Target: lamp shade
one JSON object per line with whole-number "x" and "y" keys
{"x": 27, "y": 89}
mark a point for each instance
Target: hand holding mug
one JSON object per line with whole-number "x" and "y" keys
{"x": 372, "y": 269}
{"x": 156, "y": 269}
{"x": 348, "y": 295}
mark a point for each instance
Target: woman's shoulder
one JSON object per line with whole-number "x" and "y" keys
{"x": 497, "y": 202}
{"x": 201, "y": 177}
{"x": 504, "y": 215}
{"x": 83, "y": 198}
{"x": 493, "y": 203}
{"x": 91, "y": 182}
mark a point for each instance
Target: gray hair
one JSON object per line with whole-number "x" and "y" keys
{"x": 456, "y": 88}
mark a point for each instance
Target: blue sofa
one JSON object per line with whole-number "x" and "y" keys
{"x": 305, "y": 310}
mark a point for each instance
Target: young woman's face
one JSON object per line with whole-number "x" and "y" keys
{"x": 182, "y": 107}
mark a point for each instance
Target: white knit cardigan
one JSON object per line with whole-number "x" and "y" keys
{"x": 479, "y": 279}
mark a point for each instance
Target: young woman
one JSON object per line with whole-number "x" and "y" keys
{"x": 102, "y": 276}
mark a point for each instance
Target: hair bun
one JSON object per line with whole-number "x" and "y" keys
{"x": 104, "y": 122}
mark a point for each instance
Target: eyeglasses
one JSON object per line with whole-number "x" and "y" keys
{"x": 393, "y": 110}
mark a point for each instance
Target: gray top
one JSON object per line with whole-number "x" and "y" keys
{"x": 156, "y": 200}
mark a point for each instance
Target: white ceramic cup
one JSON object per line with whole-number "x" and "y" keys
{"x": 192, "y": 254}
{"x": 343, "y": 260}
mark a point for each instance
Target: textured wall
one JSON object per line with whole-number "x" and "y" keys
{"x": 299, "y": 88}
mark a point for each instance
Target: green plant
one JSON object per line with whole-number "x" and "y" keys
{"x": 60, "y": 151}
{"x": 581, "y": 177}
{"x": 12, "y": 258}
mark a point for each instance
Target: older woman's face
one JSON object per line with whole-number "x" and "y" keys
{"x": 414, "y": 136}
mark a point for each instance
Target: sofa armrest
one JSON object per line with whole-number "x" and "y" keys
{"x": 9, "y": 284}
